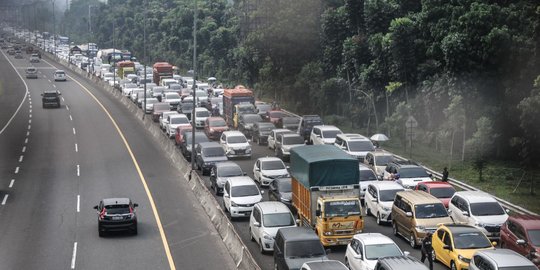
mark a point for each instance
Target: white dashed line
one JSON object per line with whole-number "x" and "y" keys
{"x": 74, "y": 257}
{"x": 11, "y": 183}
{"x": 76, "y": 148}
{"x": 27, "y": 133}
{"x": 74, "y": 131}
{"x": 54, "y": 85}
{"x": 78, "y": 203}
{"x": 5, "y": 199}
{"x": 30, "y": 111}
{"x": 70, "y": 118}
{"x": 78, "y": 170}
{"x": 49, "y": 80}
{"x": 29, "y": 126}
{"x": 30, "y": 115}
{"x": 67, "y": 107}
{"x": 26, "y": 140}
{"x": 29, "y": 121}
{"x": 17, "y": 170}
{"x": 21, "y": 158}
{"x": 24, "y": 149}
{"x": 63, "y": 99}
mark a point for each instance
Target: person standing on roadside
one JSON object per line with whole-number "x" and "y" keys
{"x": 445, "y": 175}
{"x": 427, "y": 250}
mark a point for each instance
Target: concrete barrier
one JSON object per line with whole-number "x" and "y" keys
{"x": 235, "y": 246}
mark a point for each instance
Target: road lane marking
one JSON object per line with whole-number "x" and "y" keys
{"x": 70, "y": 118}
{"x": 30, "y": 115}
{"x": 78, "y": 170}
{"x": 24, "y": 148}
{"x": 5, "y": 199}
{"x": 29, "y": 121}
{"x": 139, "y": 171}
{"x": 67, "y": 107}
{"x": 29, "y": 126}
{"x": 49, "y": 80}
{"x": 26, "y": 95}
{"x": 30, "y": 111}
{"x": 76, "y": 148}
{"x": 17, "y": 170}
{"x": 74, "y": 256}
{"x": 21, "y": 158}
{"x": 27, "y": 133}
{"x": 54, "y": 85}
{"x": 11, "y": 183}
{"x": 78, "y": 203}
{"x": 63, "y": 99}
{"x": 74, "y": 132}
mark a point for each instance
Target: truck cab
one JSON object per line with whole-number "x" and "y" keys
{"x": 338, "y": 219}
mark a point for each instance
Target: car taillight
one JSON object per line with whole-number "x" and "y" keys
{"x": 102, "y": 213}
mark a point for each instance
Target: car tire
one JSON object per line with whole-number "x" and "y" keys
{"x": 412, "y": 240}
{"x": 101, "y": 232}
{"x": 395, "y": 229}
{"x": 379, "y": 221}
{"x": 453, "y": 265}
{"x": 134, "y": 231}
{"x": 261, "y": 249}
{"x": 434, "y": 255}
{"x": 368, "y": 211}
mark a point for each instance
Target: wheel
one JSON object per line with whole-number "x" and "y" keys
{"x": 395, "y": 229}
{"x": 412, "y": 240}
{"x": 379, "y": 221}
{"x": 251, "y": 238}
{"x": 275, "y": 266}
{"x": 368, "y": 211}
{"x": 134, "y": 230}
{"x": 347, "y": 263}
{"x": 453, "y": 265}
{"x": 261, "y": 249}
{"x": 434, "y": 255}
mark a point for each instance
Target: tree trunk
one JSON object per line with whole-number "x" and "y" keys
{"x": 463, "y": 140}
{"x": 387, "y": 113}
{"x": 451, "y": 150}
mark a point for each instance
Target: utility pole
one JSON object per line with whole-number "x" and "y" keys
{"x": 114, "y": 53}
{"x": 54, "y": 29}
{"x": 194, "y": 86}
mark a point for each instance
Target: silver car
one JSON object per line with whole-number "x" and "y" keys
{"x": 495, "y": 259}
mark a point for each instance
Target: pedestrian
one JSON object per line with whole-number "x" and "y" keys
{"x": 445, "y": 175}
{"x": 427, "y": 250}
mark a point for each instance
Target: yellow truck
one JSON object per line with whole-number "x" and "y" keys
{"x": 325, "y": 192}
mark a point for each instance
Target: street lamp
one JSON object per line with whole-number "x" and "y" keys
{"x": 144, "y": 58}
{"x": 194, "y": 86}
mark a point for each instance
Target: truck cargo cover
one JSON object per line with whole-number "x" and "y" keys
{"x": 323, "y": 165}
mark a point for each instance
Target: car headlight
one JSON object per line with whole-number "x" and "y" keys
{"x": 233, "y": 204}
{"x": 463, "y": 259}
{"x": 479, "y": 224}
{"x": 212, "y": 130}
{"x": 248, "y": 150}
{"x": 285, "y": 200}
{"x": 420, "y": 228}
{"x": 327, "y": 233}
{"x": 267, "y": 237}
{"x": 385, "y": 208}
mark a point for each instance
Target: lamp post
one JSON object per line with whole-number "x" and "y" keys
{"x": 144, "y": 58}
{"x": 54, "y": 29}
{"x": 114, "y": 53}
{"x": 194, "y": 86}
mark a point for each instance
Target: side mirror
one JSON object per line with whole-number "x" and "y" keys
{"x": 256, "y": 224}
{"x": 408, "y": 214}
{"x": 507, "y": 210}
{"x": 226, "y": 196}
{"x": 135, "y": 205}
{"x": 447, "y": 247}
{"x": 465, "y": 213}
{"x": 244, "y": 173}
{"x": 430, "y": 175}
{"x": 297, "y": 221}
{"x": 95, "y": 207}
{"x": 288, "y": 167}
{"x": 318, "y": 212}
{"x": 358, "y": 256}
{"x": 521, "y": 242}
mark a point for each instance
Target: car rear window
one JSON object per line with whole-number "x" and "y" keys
{"x": 117, "y": 209}
{"x": 213, "y": 152}
{"x": 367, "y": 175}
{"x": 293, "y": 140}
{"x": 443, "y": 192}
{"x": 304, "y": 249}
{"x": 49, "y": 94}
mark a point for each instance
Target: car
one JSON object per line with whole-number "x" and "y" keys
{"x": 479, "y": 209}
{"x": 186, "y": 107}
{"x": 288, "y": 122}
{"x": 273, "y": 116}
{"x": 31, "y": 73}
{"x": 406, "y": 173}
{"x": 135, "y": 94}
{"x": 139, "y": 99}
{"x": 366, "y": 177}
{"x": 214, "y": 127}
{"x": 265, "y": 220}
{"x": 200, "y": 117}
{"x": 115, "y": 214}
{"x": 365, "y": 249}
{"x": 378, "y": 160}
{"x": 246, "y": 121}
{"x": 235, "y": 144}
{"x": 500, "y": 259}
{"x": 273, "y": 135}
{"x": 521, "y": 233}
{"x": 355, "y": 145}
{"x": 208, "y": 153}
{"x": 240, "y": 194}
{"x": 306, "y": 125}
{"x": 157, "y": 91}
{"x": 149, "y": 108}
{"x": 285, "y": 142}
{"x": 172, "y": 98}
{"x": 454, "y": 244}
{"x": 51, "y": 98}
{"x": 128, "y": 87}
{"x": 174, "y": 121}
{"x": 59, "y": 75}
{"x": 220, "y": 172}
{"x": 400, "y": 263}
{"x": 179, "y": 134}
{"x": 295, "y": 246}
{"x": 441, "y": 190}
{"x": 324, "y": 265}
{"x": 34, "y": 58}
{"x": 186, "y": 145}
{"x": 164, "y": 118}
{"x": 18, "y": 55}
{"x": 158, "y": 108}
{"x": 262, "y": 108}
{"x": 281, "y": 190}
{"x": 324, "y": 134}
{"x": 267, "y": 169}
{"x": 201, "y": 98}
{"x": 379, "y": 199}
{"x": 260, "y": 132}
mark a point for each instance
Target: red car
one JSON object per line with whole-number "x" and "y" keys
{"x": 274, "y": 116}
{"x": 179, "y": 135}
{"x": 214, "y": 126}
{"x": 158, "y": 109}
{"x": 441, "y": 190}
{"x": 521, "y": 233}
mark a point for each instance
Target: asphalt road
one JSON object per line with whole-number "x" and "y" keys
{"x": 56, "y": 164}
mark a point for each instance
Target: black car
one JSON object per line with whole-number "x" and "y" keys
{"x": 51, "y": 98}
{"x": 289, "y": 122}
{"x": 260, "y": 132}
{"x": 208, "y": 153}
{"x": 116, "y": 214}
{"x": 185, "y": 147}
{"x": 221, "y": 171}
{"x": 281, "y": 190}
{"x": 306, "y": 125}
{"x": 246, "y": 121}
{"x": 262, "y": 108}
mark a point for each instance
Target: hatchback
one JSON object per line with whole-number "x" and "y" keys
{"x": 240, "y": 194}
{"x": 267, "y": 169}
{"x": 365, "y": 249}
{"x": 59, "y": 75}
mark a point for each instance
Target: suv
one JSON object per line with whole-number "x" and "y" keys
{"x": 51, "y": 98}
{"x": 441, "y": 190}
{"x": 406, "y": 173}
{"x": 296, "y": 246}
{"x": 521, "y": 233}
{"x": 365, "y": 249}
{"x": 246, "y": 122}
{"x": 378, "y": 160}
{"x": 208, "y": 153}
{"x": 240, "y": 194}
{"x": 115, "y": 214}
{"x": 415, "y": 213}
{"x": 379, "y": 199}
{"x": 355, "y": 145}
{"x": 31, "y": 73}
{"x": 495, "y": 259}
{"x": 34, "y": 58}
{"x": 285, "y": 142}
{"x": 220, "y": 172}
{"x": 478, "y": 209}
{"x": 324, "y": 134}
{"x": 235, "y": 144}
{"x": 201, "y": 114}
{"x": 366, "y": 177}
{"x": 306, "y": 125}
{"x": 288, "y": 122}
{"x": 272, "y": 137}
{"x": 267, "y": 169}
{"x": 185, "y": 145}
{"x": 266, "y": 219}
{"x": 260, "y": 132}
{"x": 59, "y": 75}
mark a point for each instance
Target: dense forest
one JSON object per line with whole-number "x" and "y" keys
{"x": 467, "y": 70}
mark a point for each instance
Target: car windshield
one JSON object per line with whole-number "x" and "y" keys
{"x": 202, "y": 114}
{"x": 360, "y": 146}
{"x": 285, "y": 186}
{"x": 329, "y": 134}
{"x": 431, "y": 210}
{"x": 172, "y": 96}
{"x": 374, "y": 252}
{"x": 229, "y": 171}
{"x": 278, "y": 220}
{"x": 276, "y": 114}
{"x": 218, "y": 123}
{"x": 159, "y": 107}
{"x": 151, "y": 101}
{"x": 367, "y": 175}
{"x": 213, "y": 152}
{"x": 487, "y": 209}
{"x": 272, "y": 165}
{"x": 199, "y": 137}
{"x": 187, "y": 106}
{"x": 388, "y": 195}
{"x": 244, "y": 191}
{"x": 236, "y": 139}
{"x": 252, "y": 118}
{"x": 263, "y": 107}
{"x": 289, "y": 140}
{"x": 179, "y": 120}
{"x": 341, "y": 208}
{"x": 471, "y": 240}
{"x": 266, "y": 127}
{"x": 304, "y": 249}
{"x": 412, "y": 172}
{"x": 117, "y": 209}
{"x": 442, "y": 192}
{"x": 534, "y": 235}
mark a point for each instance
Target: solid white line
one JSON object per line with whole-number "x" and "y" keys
{"x": 78, "y": 203}
{"x": 76, "y": 148}
{"x": 17, "y": 170}
{"x": 74, "y": 257}
{"x": 21, "y": 158}
{"x": 11, "y": 183}
{"x": 22, "y": 101}
{"x": 5, "y": 199}
{"x": 74, "y": 131}
{"x": 70, "y": 118}
{"x": 24, "y": 149}
{"x": 67, "y": 107}
{"x": 78, "y": 170}
{"x": 63, "y": 99}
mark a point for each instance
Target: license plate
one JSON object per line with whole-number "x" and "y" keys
{"x": 117, "y": 218}
{"x": 343, "y": 242}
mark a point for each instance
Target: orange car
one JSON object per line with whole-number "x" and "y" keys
{"x": 214, "y": 126}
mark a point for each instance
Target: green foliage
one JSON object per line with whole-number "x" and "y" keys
{"x": 482, "y": 144}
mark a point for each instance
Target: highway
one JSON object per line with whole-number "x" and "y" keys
{"x": 56, "y": 164}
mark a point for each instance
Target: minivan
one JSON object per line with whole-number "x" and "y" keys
{"x": 296, "y": 246}
{"x": 266, "y": 219}
{"x": 414, "y": 213}
{"x": 400, "y": 263}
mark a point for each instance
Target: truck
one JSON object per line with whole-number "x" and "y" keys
{"x": 325, "y": 192}
{"x": 125, "y": 68}
{"x": 237, "y": 101}
{"x": 162, "y": 70}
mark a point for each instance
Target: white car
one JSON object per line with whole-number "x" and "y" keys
{"x": 478, "y": 209}
{"x": 150, "y": 104}
{"x": 201, "y": 114}
{"x": 202, "y": 97}
{"x": 273, "y": 135}
{"x": 240, "y": 194}
{"x": 285, "y": 142}
{"x": 108, "y": 76}
{"x": 163, "y": 119}
{"x": 266, "y": 169}
{"x": 324, "y": 134}
{"x": 59, "y": 75}
{"x": 174, "y": 121}
{"x": 365, "y": 249}
{"x": 172, "y": 98}
{"x": 265, "y": 220}
{"x": 367, "y": 176}
{"x": 355, "y": 145}
{"x": 128, "y": 87}
{"x": 235, "y": 144}
{"x": 379, "y": 199}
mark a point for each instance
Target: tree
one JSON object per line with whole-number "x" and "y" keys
{"x": 455, "y": 121}
{"x": 529, "y": 115}
{"x": 482, "y": 144}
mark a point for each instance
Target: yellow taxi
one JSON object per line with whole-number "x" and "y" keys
{"x": 454, "y": 244}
